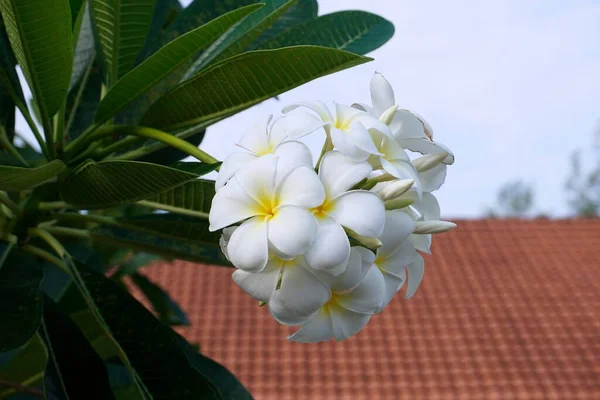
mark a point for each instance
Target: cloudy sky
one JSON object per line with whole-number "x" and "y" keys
{"x": 512, "y": 87}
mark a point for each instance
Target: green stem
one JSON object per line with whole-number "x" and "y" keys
{"x": 327, "y": 146}
{"x": 71, "y": 232}
{"x": 59, "y": 129}
{"x": 36, "y": 251}
{"x": 155, "y": 134}
{"x": 53, "y": 205}
{"x": 82, "y": 140}
{"x": 8, "y": 146}
{"x": 174, "y": 210}
{"x": 97, "y": 219}
{"x": 48, "y": 135}
{"x": 90, "y": 152}
{"x": 34, "y": 128}
{"x": 10, "y": 204}
{"x": 78, "y": 96}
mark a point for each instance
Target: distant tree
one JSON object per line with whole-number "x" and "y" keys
{"x": 515, "y": 200}
{"x": 583, "y": 187}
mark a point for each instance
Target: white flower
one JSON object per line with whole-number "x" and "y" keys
{"x": 359, "y": 210}
{"x": 264, "y": 138}
{"x": 290, "y": 285}
{"x": 409, "y": 130}
{"x": 275, "y": 210}
{"x": 355, "y": 296}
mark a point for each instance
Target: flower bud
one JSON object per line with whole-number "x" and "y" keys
{"x": 372, "y": 243}
{"x": 429, "y": 161}
{"x": 398, "y": 203}
{"x": 426, "y": 227}
{"x": 388, "y": 115}
{"x": 395, "y": 189}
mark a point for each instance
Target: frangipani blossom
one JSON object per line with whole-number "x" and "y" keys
{"x": 265, "y": 138}
{"x": 359, "y": 210}
{"x": 274, "y": 208}
{"x": 355, "y": 295}
{"x": 347, "y": 130}
{"x": 409, "y": 130}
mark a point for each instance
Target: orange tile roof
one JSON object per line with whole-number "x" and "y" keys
{"x": 507, "y": 310}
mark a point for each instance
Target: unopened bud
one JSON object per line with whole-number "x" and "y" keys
{"x": 398, "y": 203}
{"x": 388, "y": 115}
{"x": 372, "y": 243}
{"x": 261, "y": 303}
{"x": 429, "y": 161}
{"x": 395, "y": 189}
{"x": 426, "y": 227}
{"x": 371, "y": 182}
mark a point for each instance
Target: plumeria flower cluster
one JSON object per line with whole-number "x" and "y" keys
{"x": 326, "y": 246}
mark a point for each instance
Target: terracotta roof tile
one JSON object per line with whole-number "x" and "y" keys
{"x": 508, "y": 309}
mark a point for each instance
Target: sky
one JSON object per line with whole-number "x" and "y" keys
{"x": 512, "y": 87}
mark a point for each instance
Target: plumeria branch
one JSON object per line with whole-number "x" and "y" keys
{"x": 8, "y": 146}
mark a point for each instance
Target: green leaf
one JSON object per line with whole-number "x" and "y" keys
{"x": 194, "y": 196}
{"x": 83, "y": 35}
{"x": 173, "y": 226}
{"x": 9, "y": 81}
{"x": 7, "y": 114}
{"x": 71, "y": 354}
{"x": 40, "y": 34}
{"x": 165, "y": 247}
{"x": 356, "y": 31}
{"x": 25, "y": 367}
{"x": 299, "y": 12}
{"x": 152, "y": 347}
{"x": 121, "y": 27}
{"x": 20, "y": 296}
{"x": 169, "y": 312}
{"x": 83, "y": 101}
{"x": 137, "y": 261}
{"x": 110, "y": 183}
{"x": 168, "y": 155}
{"x": 197, "y": 168}
{"x": 165, "y": 12}
{"x": 165, "y": 61}
{"x": 16, "y": 179}
{"x": 244, "y": 80}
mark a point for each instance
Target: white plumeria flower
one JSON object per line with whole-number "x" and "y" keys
{"x": 291, "y": 285}
{"x": 355, "y": 296}
{"x": 409, "y": 130}
{"x": 347, "y": 130}
{"x": 264, "y": 138}
{"x": 359, "y": 210}
{"x": 275, "y": 210}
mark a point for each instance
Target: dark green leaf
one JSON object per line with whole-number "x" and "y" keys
{"x": 167, "y": 309}
{"x": 25, "y": 366}
{"x": 197, "y": 168}
{"x": 121, "y": 27}
{"x": 152, "y": 347}
{"x": 40, "y": 34}
{"x": 137, "y": 261}
{"x": 83, "y": 35}
{"x": 15, "y": 179}
{"x": 110, "y": 183}
{"x": 165, "y": 61}
{"x": 169, "y": 248}
{"x": 165, "y": 12}
{"x": 75, "y": 8}
{"x": 72, "y": 354}
{"x": 356, "y": 31}
{"x": 301, "y": 11}
{"x": 83, "y": 101}
{"x": 20, "y": 296}
{"x": 242, "y": 81}
{"x": 169, "y": 155}
{"x": 173, "y": 226}
{"x": 195, "y": 196}
{"x": 8, "y": 75}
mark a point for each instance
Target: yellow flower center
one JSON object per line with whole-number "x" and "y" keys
{"x": 323, "y": 210}
{"x": 342, "y": 125}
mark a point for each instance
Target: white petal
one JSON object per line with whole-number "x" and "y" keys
{"x": 256, "y": 139}
{"x": 259, "y": 285}
{"x": 361, "y": 211}
{"x": 346, "y": 323}
{"x": 390, "y": 149}
{"x": 317, "y": 106}
{"x": 330, "y": 249}
{"x": 398, "y": 226}
{"x": 345, "y": 143}
{"x": 339, "y": 173}
{"x": 301, "y": 187}
{"x": 359, "y": 262}
{"x": 345, "y": 114}
{"x": 415, "y": 276}
{"x": 362, "y": 138}
{"x": 434, "y": 178}
{"x": 421, "y": 242}
{"x": 230, "y": 205}
{"x": 292, "y": 154}
{"x": 224, "y": 239}
{"x": 393, "y": 283}
{"x": 257, "y": 179}
{"x": 428, "y": 207}
{"x": 407, "y": 125}
{"x": 294, "y": 125}
{"x": 424, "y": 145}
{"x": 317, "y": 329}
{"x": 382, "y": 94}
{"x": 367, "y": 297}
{"x": 364, "y": 107}
{"x": 248, "y": 248}
{"x": 301, "y": 295}
{"x": 231, "y": 164}
{"x": 403, "y": 169}
{"x": 292, "y": 231}
{"x": 396, "y": 263}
